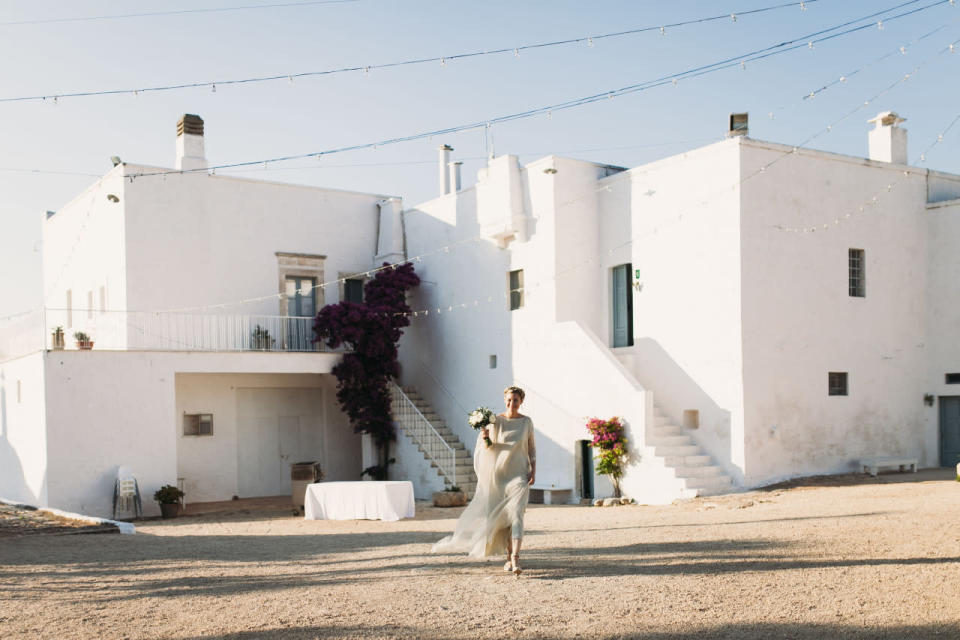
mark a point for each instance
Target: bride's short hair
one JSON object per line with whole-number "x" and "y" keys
{"x": 516, "y": 390}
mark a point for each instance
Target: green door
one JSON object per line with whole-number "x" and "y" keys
{"x": 949, "y": 431}
{"x": 622, "y": 307}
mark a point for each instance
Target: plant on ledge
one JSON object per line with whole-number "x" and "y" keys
{"x": 260, "y": 339}
{"x": 609, "y": 439}
{"x": 83, "y": 340}
{"x": 371, "y": 330}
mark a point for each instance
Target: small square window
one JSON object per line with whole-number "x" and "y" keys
{"x": 856, "y": 276}
{"x": 353, "y": 290}
{"x": 516, "y": 289}
{"x": 952, "y": 378}
{"x": 837, "y": 383}
{"x": 198, "y": 424}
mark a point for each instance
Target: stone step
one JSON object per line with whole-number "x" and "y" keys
{"x": 714, "y": 482}
{"x": 697, "y": 472}
{"x": 670, "y": 441}
{"x": 667, "y": 430}
{"x": 660, "y": 420}
{"x": 695, "y": 460}
{"x": 676, "y": 450}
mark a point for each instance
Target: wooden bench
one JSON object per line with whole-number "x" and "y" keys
{"x": 552, "y": 494}
{"x": 872, "y": 465}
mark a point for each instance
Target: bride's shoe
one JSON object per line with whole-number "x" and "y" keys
{"x": 515, "y": 562}
{"x": 508, "y": 566}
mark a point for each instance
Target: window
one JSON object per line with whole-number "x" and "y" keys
{"x": 953, "y": 378}
{"x": 837, "y": 383}
{"x": 301, "y": 296}
{"x": 516, "y": 289}
{"x": 856, "y": 275}
{"x": 353, "y": 290}
{"x": 198, "y": 424}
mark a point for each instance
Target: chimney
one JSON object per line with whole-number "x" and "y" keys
{"x": 444, "y": 159}
{"x": 455, "y": 176}
{"x": 738, "y": 125}
{"x": 190, "y": 143}
{"x": 887, "y": 142}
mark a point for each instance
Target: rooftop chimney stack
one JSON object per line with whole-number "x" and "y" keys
{"x": 455, "y": 176}
{"x": 738, "y": 125}
{"x": 444, "y": 159}
{"x": 190, "y": 153}
{"x": 887, "y": 142}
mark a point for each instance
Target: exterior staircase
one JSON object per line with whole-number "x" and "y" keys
{"x": 439, "y": 445}
{"x": 694, "y": 469}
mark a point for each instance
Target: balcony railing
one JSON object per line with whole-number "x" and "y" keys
{"x": 158, "y": 331}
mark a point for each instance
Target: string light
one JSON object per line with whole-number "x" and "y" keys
{"x": 366, "y": 69}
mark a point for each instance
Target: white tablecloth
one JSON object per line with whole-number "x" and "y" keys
{"x": 390, "y": 500}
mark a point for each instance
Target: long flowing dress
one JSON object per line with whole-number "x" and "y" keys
{"x": 496, "y": 512}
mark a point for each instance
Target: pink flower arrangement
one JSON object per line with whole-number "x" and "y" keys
{"x": 611, "y": 443}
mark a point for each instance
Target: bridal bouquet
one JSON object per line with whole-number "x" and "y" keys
{"x": 481, "y": 418}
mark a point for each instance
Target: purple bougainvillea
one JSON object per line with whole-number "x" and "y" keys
{"x": 371, "y": 330}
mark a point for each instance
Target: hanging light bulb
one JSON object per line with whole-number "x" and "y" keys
{"x": 213, "y": 88}
{"x": 663, "y": 31}
{"x": 880, "y": 25}
{"x": 589, "y": 42}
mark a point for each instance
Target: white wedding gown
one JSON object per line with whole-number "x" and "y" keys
{"x": 496, "y": 512}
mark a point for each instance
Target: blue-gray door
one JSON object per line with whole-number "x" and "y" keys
{"x": 949, "y": 431}
{"x": 301, "y": 303}
{"x": 622, "y": 306}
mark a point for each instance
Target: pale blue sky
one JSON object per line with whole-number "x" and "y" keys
{"x": 50, "y": 151}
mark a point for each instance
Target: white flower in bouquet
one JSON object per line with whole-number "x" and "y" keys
{"x": 481, "y": 418}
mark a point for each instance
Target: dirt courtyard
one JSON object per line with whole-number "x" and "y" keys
{"x": 851, "y": 557}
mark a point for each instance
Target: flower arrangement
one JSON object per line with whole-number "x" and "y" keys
{"x": 481, "y": 418}
{"x": 609, "y": 439}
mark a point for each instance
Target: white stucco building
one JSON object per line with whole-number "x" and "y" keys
{"x": 754, "y": 312}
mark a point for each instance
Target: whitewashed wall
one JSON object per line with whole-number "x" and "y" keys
{"x": 197, "y": 239}
{"x": 800, "y": 323}
{"x": 685, "y": 242}
{"x": 209, "y": 464}
{"x": 943, "y": 315}
{"x": 23, "y": 435}
{"x": 112, "y": 408}
{"x": 84, "y": 251}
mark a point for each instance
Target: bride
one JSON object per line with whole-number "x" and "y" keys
{"x": 493, "y": 521}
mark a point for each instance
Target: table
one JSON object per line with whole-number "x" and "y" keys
{"x": 389, "y": 500}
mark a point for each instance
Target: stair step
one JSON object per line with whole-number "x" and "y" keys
{"x": 670, "y": 441}
{"x": 698, "y": 472}
{"x": 676, "y": 450}
{"x": 696, "y": 460}
{"x": 660, "y": 420}
{"x": 667, "y": 430}
{"x": 714, "y": 482}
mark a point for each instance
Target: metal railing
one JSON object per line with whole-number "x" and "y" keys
{"x": 157, "y": 331}
{"x": 415, "y": 425}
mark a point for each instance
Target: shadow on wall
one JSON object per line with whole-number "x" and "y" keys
{"x": 13, "y": 486}
{"x": 675, "y": 393}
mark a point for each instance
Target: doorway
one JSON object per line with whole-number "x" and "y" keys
{"x": 622, "y": 306}
{"x": 949, "y": 431}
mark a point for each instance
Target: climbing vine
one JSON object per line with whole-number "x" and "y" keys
{"x": 611, "y": 445}
{"x": 370, "y": 330}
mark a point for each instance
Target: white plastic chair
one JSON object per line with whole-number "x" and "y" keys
{"x": 126, "y": 493}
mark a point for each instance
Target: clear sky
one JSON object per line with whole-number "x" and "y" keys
{"x": 51, "y": 150}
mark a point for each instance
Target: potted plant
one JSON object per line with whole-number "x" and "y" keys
{"x": 169, "y": 498}
{"x": 611, "y": 444}
{"x": 260, "y": 338}
{"x": 450, "y": 497}
{"x": 83, "y": 340}
{"x": 58, "y": 342}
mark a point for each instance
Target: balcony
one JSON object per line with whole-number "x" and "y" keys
{"x": 159, "y": 331}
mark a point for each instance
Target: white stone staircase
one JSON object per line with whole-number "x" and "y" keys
{"x": 439, "y": 445}
{"x": 669, "y": 445}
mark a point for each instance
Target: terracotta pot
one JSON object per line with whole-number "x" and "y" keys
{"x": 86, "y": 345}
{"x": 169, "y": 509}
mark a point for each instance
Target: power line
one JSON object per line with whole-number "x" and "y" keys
{"x": 150, "y": 14}
{"x": 443, "y": 60}
{"x": 807, "y": 40}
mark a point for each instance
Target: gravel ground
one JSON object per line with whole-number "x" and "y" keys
{"x": 16, "y": 521}
{"x": 840, "y": 557}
